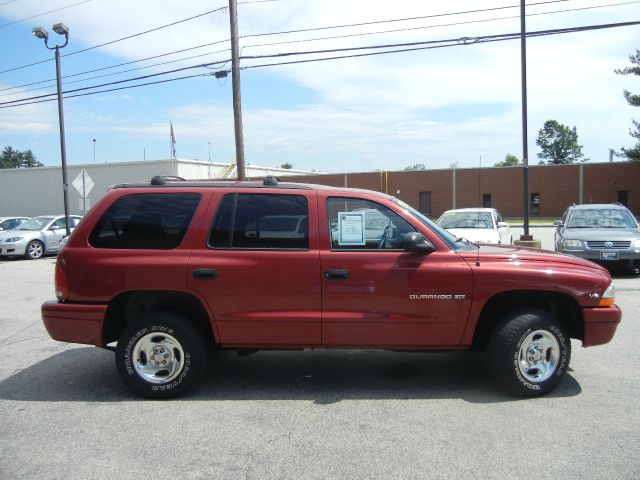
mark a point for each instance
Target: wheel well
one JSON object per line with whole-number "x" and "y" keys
{"x": 562, "y": 307}
{"x": 130, "y": 306}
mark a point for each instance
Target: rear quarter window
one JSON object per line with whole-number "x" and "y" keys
{"x": 261, "y": 222}
{"x": 145, "y": 221}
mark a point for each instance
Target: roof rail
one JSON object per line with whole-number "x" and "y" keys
{"x": 270, "y": 181}
{"x": 162, "y": 179}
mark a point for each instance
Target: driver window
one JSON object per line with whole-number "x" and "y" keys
{"x": 59, "y": 224}
{"x": 356, "y": 224}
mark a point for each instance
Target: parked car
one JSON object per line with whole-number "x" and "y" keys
{"x": 35, "y": 237}
{"x": 478, "y": 225}
{"x": 161, "y": 272}
{"x": 9, "y": 223}
{"x": 604, "y": 233}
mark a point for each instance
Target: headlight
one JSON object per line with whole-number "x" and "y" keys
{"x": 572, "y": 243}
{"x": 636, "y": 243}
{"x": 608, "y": 297}
{"x": 13, "y": 239}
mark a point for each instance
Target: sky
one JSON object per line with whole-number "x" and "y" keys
{"x": 457, "y": 104}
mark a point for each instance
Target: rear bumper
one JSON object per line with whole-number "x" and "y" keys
{"x": 74, "y": 323}
{"x": 600, "y": 325}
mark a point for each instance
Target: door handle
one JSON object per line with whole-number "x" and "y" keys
{"x": 336, "y": 274}
{"x": 205, "y": 273}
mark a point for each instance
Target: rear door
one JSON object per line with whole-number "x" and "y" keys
{"x": 375, "y": 293}
{"x": 258, "y": 268}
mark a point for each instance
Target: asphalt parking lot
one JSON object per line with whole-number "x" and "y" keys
{"x": 64, "y": 413}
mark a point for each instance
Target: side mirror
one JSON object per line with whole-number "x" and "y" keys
{"x": 502, "y": 224}
{"x": 558, "y": 223}
{"x": 417, "y": 243}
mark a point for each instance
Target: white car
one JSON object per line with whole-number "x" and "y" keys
{"x": 478, "y": 225}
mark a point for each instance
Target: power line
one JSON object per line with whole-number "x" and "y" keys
{"x": 44, "y": 13}
{"x": 7, "y": 3}
{"x": 146, "y": 31}
{"x": 116, "y": 82}
{"x": 407, "y": 47}
{"x": 377, "y": 22}
{"x": 223, "y": 72}
{"x": 119, "y": 39}
{"x": 407, "y": 29}
{"x": 120, "y": 64}
{"x": 122, "y": 71}
{"x": 139, "y": 34}
{"x": 302, "y": 41}
{"x": 466, "y": 40}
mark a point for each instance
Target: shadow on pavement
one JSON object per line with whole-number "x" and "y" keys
{"x": 322, "y": 376}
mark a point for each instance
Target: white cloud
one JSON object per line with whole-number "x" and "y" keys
{"x": 431, "y": 106}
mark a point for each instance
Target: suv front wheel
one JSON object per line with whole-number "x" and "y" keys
{"x": 529, "y": 353}
{"x": 161, "y": 355}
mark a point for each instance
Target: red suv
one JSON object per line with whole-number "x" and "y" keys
{"x": 161, "y": 272}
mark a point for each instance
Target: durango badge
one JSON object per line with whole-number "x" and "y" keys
{"x": 413, "y": 296}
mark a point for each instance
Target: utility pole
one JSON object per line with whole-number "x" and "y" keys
{"x": 235, "y": 74}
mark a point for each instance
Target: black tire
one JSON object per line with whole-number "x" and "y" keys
{"x": 161, "y": 336}
{"x": 529, "y": 353}
{"x": 34, "y": 250}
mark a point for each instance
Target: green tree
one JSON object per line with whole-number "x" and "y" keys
{"x": 509, "y": 161}
{"x": 633, "y": 153}
{"x": 415, "y": 167}
{"x": 287, "y": 166}
{"x": 10, "y": 158}
{"x": 559, "y": 144}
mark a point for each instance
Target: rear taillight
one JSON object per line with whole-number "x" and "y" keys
{"x": 62, "y": 287}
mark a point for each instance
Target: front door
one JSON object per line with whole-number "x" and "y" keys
{"x": 259, "y": 270}
{"x": 376, "y": 294}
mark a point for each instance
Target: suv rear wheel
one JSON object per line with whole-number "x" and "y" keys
{"x": 529, "y": 353}
{"x": 161, "y": 355}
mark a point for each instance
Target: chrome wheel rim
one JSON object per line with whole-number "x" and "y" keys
{"x": 539, "y": 356}
{"x": 35, "y": 250}
{"x": 158, "y": 358}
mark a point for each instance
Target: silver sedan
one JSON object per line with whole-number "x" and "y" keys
{"x": 35, "y": 237}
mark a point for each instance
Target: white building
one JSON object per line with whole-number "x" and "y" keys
{"x": 38, "y": 191}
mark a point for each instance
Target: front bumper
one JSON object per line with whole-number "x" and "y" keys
{"x": 73, "y": 322}
{"x": 600, "y": 325}
{"x": 625, "y": 258}
{"x": 13, "y": 249}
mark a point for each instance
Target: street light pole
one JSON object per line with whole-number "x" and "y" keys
{"x": 94, "y": 150}
{"x": 60, "y": 29}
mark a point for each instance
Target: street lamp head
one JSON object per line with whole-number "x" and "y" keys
{"x": 41, "y": 33}
{"x": 61, "y": 29}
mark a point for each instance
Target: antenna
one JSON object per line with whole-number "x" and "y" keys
{"x": 480, "y": 202}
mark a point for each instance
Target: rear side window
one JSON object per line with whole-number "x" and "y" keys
{"x": 145, "y": 221}
{"x": 261, "y": 221}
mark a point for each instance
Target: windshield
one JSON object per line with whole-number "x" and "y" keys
{"x": 466, "y": 220}
{"x": 451, "y": 240}
{"x": 601, "y": 218}
{"x": 34, "y": 224}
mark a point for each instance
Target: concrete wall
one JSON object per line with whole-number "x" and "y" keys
{"x": 38, "y": 191}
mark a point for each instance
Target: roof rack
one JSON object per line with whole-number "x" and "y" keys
{"x": 162, "y": 179}
{"x": 270, "y": 181}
